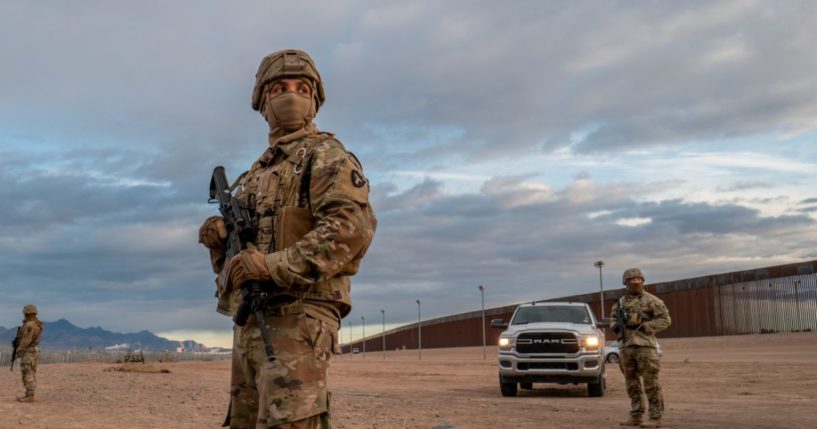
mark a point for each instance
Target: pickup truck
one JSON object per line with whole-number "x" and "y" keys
{"x": 551, "y": 342}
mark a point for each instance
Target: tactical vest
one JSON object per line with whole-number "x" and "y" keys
{"x": 277, "y": 192}
{"x": 637, "y": 311}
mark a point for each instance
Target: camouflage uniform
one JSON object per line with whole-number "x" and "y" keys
{"x": 313, "y": 223}
{"x": 28, "y": 351}
{"x": 645, "y": 316}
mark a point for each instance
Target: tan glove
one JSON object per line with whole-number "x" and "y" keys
{"x": 245, "y": 266}
{"x": 213, "y": 233}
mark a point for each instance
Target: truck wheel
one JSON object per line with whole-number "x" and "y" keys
{"x": 595, "y": 390}
{"x": 526, "y": 386}
{"x": 507, "y": 388}
{"x": 613, "y": 358}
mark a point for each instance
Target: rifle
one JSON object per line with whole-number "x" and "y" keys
{"x": 621, "y": 319}
{"x": 14, "y": 344}
{"x": 240, "y": 232}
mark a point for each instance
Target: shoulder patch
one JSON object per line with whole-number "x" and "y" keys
{"x": 350, "y": 183}
{"x": 357, "y": 179}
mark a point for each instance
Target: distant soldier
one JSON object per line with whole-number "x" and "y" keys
{"x": 28, "y": 350}
{"x": 637, "y": 317}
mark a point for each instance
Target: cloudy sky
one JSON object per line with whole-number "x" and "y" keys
{"x": 509, "y": 144}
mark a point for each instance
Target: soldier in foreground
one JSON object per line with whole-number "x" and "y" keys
{"x": 308, "y": 205}
{"x": 637, "y": 317}
{"x": 27, "y": 349}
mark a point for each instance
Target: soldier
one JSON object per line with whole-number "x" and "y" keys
{"x": 313, "y": 223}
{"x": 28, "y": 350}
{"x": 637, "y": 317}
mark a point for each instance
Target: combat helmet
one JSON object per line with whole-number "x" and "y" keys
{"x": 631, "y": 273}
{"x": 29, "y": 309}
{"x": 287, "y": 63}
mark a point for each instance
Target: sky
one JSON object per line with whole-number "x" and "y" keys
{"x": 508, "y": 144}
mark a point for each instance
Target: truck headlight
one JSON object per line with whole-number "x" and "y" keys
{"x": 591, "y": 342}
{"x": 504, "y": 343}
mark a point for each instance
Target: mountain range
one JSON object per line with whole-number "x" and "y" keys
{"x": 64, "y": 335}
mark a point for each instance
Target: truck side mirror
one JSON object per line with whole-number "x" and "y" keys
{"x": 603, "y": 323}
{"x": 498, "y": 324}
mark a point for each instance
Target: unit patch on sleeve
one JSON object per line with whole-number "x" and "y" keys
{"x": 357, "y": 179}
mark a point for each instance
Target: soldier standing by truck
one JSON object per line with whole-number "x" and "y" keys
{"x": 27, "y": 349}
{"x": 637, "y": 317}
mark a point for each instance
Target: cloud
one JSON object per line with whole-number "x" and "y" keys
{"x": 545, "y": 247}
{"x": 742, "y": 186}
{"x": 633, "y": 221}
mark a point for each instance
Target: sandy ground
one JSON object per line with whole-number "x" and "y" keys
{"x": 759, "y": 381}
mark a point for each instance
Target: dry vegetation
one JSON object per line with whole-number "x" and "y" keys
{"x": 760, "y": 381}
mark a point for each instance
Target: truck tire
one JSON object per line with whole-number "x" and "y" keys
{"x": 596, "y": 390}
{"x": 613, "y": 358}
{"x": 506, "y": 387}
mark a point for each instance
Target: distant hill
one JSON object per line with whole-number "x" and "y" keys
{"x": 63, "y": 335}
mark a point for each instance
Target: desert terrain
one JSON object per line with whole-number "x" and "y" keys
{"x": 751, "y": 381}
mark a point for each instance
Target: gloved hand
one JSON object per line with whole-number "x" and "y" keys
{"x": 213, "y": 233}
{"x": 245, "y": 266}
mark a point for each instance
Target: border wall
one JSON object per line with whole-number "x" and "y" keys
{"x": 782, "y": 298}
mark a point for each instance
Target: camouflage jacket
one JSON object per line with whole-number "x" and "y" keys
{"x": 307, "y": 181}
{"x": 646, "y": 315}
{"x": 30, "y": 334}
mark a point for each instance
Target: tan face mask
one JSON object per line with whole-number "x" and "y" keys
{"x": 635, "y": 289}
{"x": 289, "y": 111}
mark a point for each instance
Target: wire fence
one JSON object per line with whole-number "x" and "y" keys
{"x": 115, "y": 357}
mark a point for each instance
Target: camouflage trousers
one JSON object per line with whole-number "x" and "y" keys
{"x": 638, "y": 362}
{"x": 291, "y": 391}
{"x": 243, "y": 395}
{"x": 28, "y": 367}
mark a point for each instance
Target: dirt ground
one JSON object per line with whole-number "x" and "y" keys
{"x": 753, "y": 381}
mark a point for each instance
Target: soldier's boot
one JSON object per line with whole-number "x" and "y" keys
{"x": 652, "y": 423}
{"x": 27, "y": 398}
{"x": 632, "y": 421}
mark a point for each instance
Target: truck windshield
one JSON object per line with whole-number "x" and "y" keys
{"x": 551, "y": 313}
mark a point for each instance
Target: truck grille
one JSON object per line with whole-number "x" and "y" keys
{"x": 547, "y": 342}
{"x": 567, "y": 366}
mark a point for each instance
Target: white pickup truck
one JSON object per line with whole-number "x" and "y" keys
{"x": 551, "y": 342}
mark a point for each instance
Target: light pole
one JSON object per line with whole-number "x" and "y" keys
{"x": 419, "y": 334}
{"x": 363, "y": 321}
{"x": 482, "y": 296}
{"x": 598, "y": 265}
{"x": 383, "y": 313}
{"x": 350, "y": 339}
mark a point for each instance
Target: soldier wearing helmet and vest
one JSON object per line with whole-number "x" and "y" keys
{"x": 637, "y": 317}
{"x": 309, "y": 203}
{"x": 28, "y": 350}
